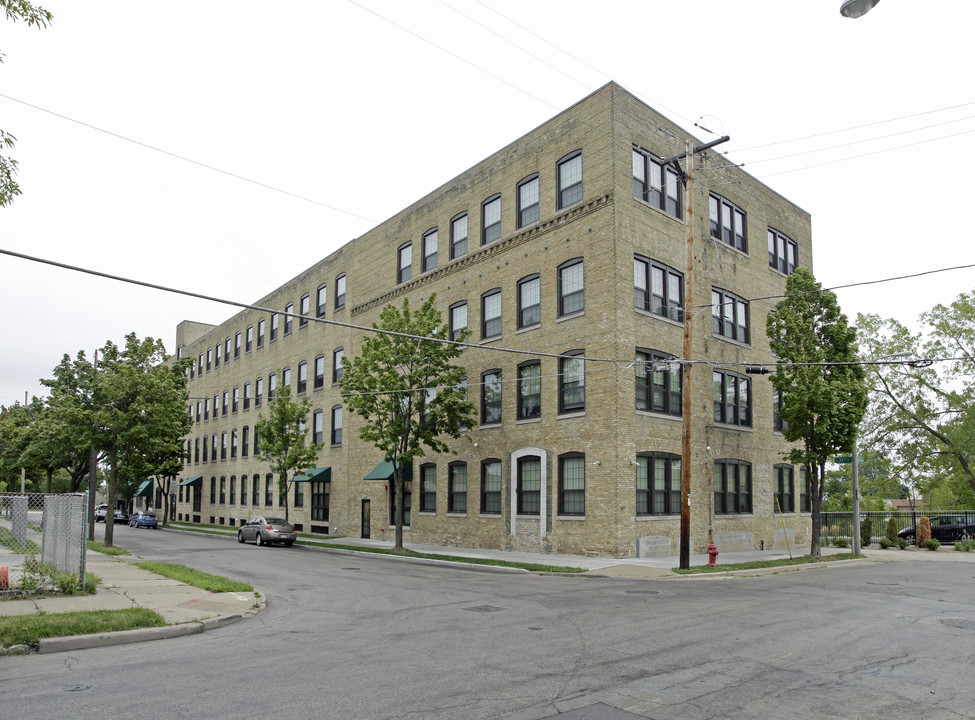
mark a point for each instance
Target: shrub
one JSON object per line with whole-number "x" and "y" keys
{"x": 902, "y": 543}
{"x": 886, "y": 543}
{"x": 841, "y": 542}
{"x": 932, "y": 544}
{"x": 965, "y": 545}
{"x": 923, "y": 531}
{"x": 866, "y": 531}
{"x": 892, "y": 531}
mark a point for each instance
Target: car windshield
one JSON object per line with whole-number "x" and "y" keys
{"x": 277, "y": 521}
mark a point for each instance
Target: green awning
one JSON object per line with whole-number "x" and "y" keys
{"x": 321, "y": 474}
{"x": 196, "y": 480}
{"x": 145, "y": 489}
{"x": 384, "y": 471}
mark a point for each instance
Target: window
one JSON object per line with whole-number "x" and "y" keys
{"x": 233, "y": 489}
{"x": 404, "y": 269}
{"x": 317, "y": 427}
{"x": 237, "y": 343}
{"x": 223, "y": 445}
{"x": 319, "y": 501}
{"x": 321, "y": 300}
{"x": 572, "y": 297}
{"x": 458, "y": 236}
{"x": 272, "y": 386}
{"x": 245, "y": 439}
{"x": 299, "y": 494}
{"x": 572, "y": 383}
{"x": 249, "y": 339}
{"x": 727, "y": 222}
{"x": 658, "y": 289}
{"x": 491, "y": 220}
{"x": 268, "y": 490}
{"x": 196, "y": 451}
{"x": 529, "y": 301}
{"x": 458, "y": 321}
{"x": 729, "y": 315}
{"x": 407, "y": 503}
{"x": 530, "y": 390}
{"x": 337, "y": 369}
{"x": 223, "y": 490}
{"x": 243, "y": 489}
{"x": 732, "y": 399}
{"x": 428, "y": 488}
{"x": 430, "y": 241}
{"x": 235, "y": 399}
{"x": 233, "y": 443}
{"x": 209, "y": 358}
{"x": 275, "y": 325}
{"x": 226, "y": 402}
{"x": 247, "y": 396}
{"x": 805, "y": 491}
{"x": 257, "y": 442}
{"x": 570, "y": 179}
{"x": 226, "y": 350}
{"x": 337, "y": 425}
{"x": 256, "y": 489}
{"x": 206, "y": 409}
{"x": 491, "y": 487}
{"x": 657, "y": 484}
{"x": 491, "y": 314}
{"x": 213, "y": 447}
{"x": 213, "y": 490}
{"x": 302, "y": 378}
{"x": 529, "y": 490}
{"x": 528, "y": 201}
{"x": 340, "y": 292}
{"x": 304, "y": 308}
{"x": 199, "y": 415}
{"x": 289, "y": 311}
{"x": 572, "y": 484}
{"x": 732, "y": 487}
{"x": 778, "y": 400}
{"x": 658, "y": 383}
{"x": 319, "y": 372}
{"x": 286, "y": 377}
{"x": 216, "y": 357}
{"x": 200, "y": 365}
{"x": 491, "y": 397}
{"x": 261, "y": 325}
{"x": 258, "y": 391}
{"x": 206, "y": 448}
{"x": 783, "y": 253}
{"x": 457, "y": 487}
{"x": 784, "y": 489}
{"x": 655, "y": 184}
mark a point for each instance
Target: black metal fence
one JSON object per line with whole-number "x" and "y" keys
{"x": 839, "y": 524}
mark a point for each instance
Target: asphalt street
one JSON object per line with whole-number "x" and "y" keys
{"x": 352, "y": 636}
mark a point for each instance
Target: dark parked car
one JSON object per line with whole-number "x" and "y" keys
{"x": 267, "y": 531}
{"x": 944, "y": 529}
{"x": 121, "y": 516}
{"x": 141, "y": 518}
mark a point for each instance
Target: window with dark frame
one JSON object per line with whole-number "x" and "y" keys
{"x": 340, "y": 292}
{"x": 404, "y": 266}
{"x": 272, "y": 386}
{"x": 572, "y": 382}
{"x": 491, "y": 487}
{"x": 655, "y": 184}
{"x": 572, "y": 484}
{"x": 458, "y": 320}
{"x": 319, "y": 501}
{"x": 529, "y": 301}
{"x": 457, "y": 487}
{"x": 784, "y": 480}
{"x": 289, "y": 311}
{"x": 304, "y": 307}
{"x": 458, "y": 236}
{"x": 337, "y": 370}
{"x": 243, "y": 490}
{"x": 428, "y": 488}
{"x": 317, "y": 427}
{"x": 778, "y": 402}
{"x": 729, "y": 316}
{"x": 249, "y": 339}
{"x": 491, "y": 314}
{"x": 727, "y": 222}
{"x": 530, "y": 390}
{"x": 216, "y": 357}
{"x": 805, "y": 490}
{"x": 244, "y": 443}
{"x": 275, "y": 325}
{"x": 233, "y": 443}
{"x": 732, "y": 487}
{"x": 237, "y": 344}
{"x": 268, "y": 490}
{"x": 569, "y": 172}
{"x": 783, "y": 253}
{"x": 258, "y": 391}
{"x": 337, "y": 425}
{"x": 491, "y": 220}
{"x": 657, "y": 484}
{"x": 261, "y": 325}
{"x": 572, "y": 298}
{"x": 658, "y": 383}
{"x": 256, "y": 490}
{"x": 302, "y": 378}
{"x": 319, "y": 381}
{"x": 321, "y": 300}
{"x": 491, "y": 397}
{"x": 527, "y": 195}
{"x": 732, "y": 399}
{"x": 235, "y": 399}
{"x": 430, "y": 242}
{"x": 528, "y": 492}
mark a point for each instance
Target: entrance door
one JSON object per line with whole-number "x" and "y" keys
{"x": 366, "y": 514}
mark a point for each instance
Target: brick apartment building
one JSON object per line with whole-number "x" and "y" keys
{"x": 569, "y": 245}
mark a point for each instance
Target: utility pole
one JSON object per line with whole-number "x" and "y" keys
{"x": 686, "y": 406}
{"x": 92, "y": 480}
{"x": 856, "y": 501}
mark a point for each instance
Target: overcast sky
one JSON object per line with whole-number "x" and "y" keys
{"x": 223, "y": 146}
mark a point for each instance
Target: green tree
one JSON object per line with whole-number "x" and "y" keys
{"x": 283, "y": 443}
{"x": 33, "y": 15}
{"x": 405, "y": 387}
{"x": 15, "y": 423}
{"x": 823, "y": 386}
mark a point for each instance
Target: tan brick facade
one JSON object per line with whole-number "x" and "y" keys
{"x": 605, "y": 230}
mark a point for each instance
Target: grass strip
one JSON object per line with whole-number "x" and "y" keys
{"x": 758, "y": 564}
{"x": 28, "y": 629}
{"x": 101, "y": 547}
{"x": 196, "y": 578}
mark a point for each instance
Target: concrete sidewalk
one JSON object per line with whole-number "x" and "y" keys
{"x": 189, "y": 610}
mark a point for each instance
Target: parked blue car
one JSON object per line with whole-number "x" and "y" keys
{"x": 143, "y": 519}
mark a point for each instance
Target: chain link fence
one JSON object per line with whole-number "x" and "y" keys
{"x": 42, "y": 541}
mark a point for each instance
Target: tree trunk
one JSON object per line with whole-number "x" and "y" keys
{"x": 284, "y": 484}
{"x": 398, "y": 494}
{"x": 111, "y": 498}
{"x": 816, "y": 491}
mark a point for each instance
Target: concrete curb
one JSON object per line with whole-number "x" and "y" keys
{"x": 125, "y": 637}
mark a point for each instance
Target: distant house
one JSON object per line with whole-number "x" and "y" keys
{"x": 905, "y": 504}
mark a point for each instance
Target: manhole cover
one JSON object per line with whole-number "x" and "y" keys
{"x": 643, "y": 592}
{"x": 966, "y": 624}
{"x": 483, "y": 609}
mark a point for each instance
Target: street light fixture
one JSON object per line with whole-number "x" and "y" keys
{"x": 856, "y": 8}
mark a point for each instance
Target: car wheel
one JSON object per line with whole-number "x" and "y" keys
{"x": 240, "y": 536}
{"x": 288, "y": 544}
{"x": 260, "y": 540}
{"x": 910, "y": 539}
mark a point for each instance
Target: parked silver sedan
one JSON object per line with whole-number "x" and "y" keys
{"x": 267, "y": 531}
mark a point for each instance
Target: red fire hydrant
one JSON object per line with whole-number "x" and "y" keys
{"x": 712, "y": 554}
